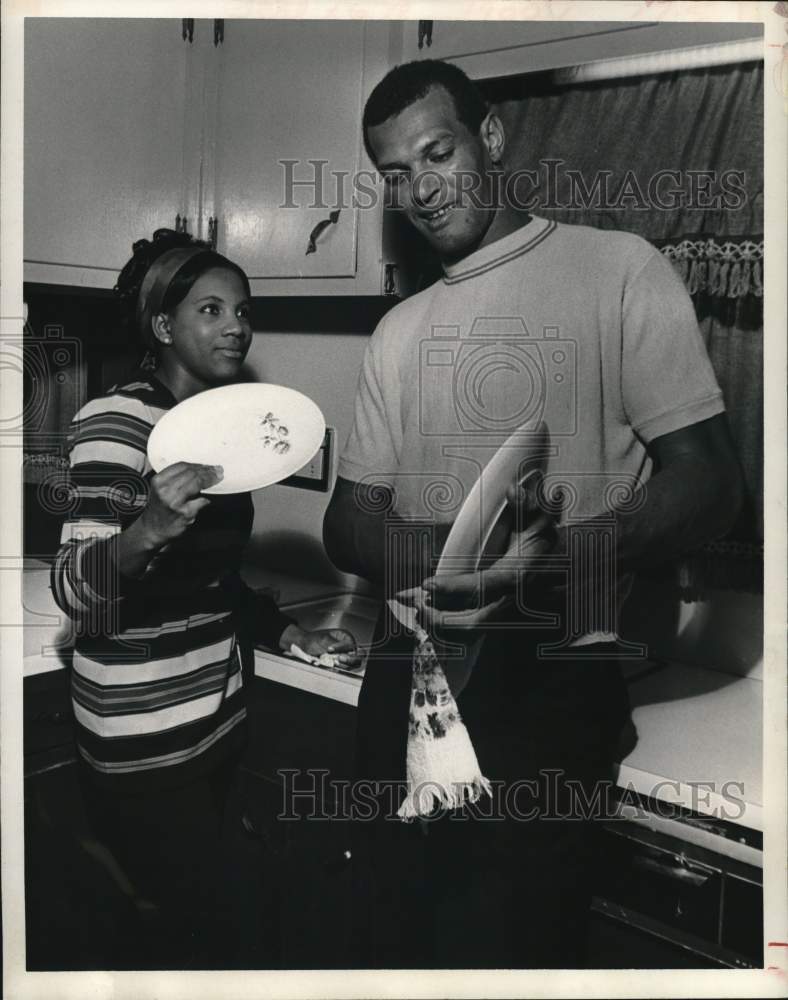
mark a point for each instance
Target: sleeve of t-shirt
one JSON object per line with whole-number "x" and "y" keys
{"x": 371, "y": 447}
{"x": 667, "y": 381}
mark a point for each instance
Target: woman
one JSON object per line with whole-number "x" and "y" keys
{"x": 148, "y": 569}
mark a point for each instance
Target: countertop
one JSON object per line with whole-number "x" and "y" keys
{"x": 699, "y": 730}
{"x": 47, "y": 629}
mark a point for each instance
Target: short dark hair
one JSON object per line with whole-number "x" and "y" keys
{"x": 408, "y": 83}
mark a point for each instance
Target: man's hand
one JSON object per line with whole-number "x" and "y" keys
{"x": 336, "y": 641}
{"x": 693, "y": 497}
{"x": 472, "y": 600}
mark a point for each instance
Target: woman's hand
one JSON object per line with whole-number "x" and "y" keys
{"x": 335, "y": 641}
{"x": 175, "y": 501}
{"x": 173, "y": 505}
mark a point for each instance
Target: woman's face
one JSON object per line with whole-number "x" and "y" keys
{"x": 207, "y": 335}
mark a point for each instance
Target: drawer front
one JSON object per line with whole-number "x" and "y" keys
{"x": 699, "y": 906}
{"x": 659, "y": 885}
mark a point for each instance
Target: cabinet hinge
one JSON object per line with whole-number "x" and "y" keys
{"x": 187, "y": 29}
{"x": 213, "y": 231}
{"x": 425, "y": 33}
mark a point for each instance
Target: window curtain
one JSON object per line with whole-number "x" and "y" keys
{"x": 678, "y": 159}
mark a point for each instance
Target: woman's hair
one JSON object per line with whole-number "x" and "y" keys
{"x": 144, "y": 253}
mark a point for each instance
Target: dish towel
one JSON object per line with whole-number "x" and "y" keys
{"x": 442, "y": 769}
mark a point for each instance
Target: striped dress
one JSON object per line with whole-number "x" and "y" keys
{"x": 156, "y": 685}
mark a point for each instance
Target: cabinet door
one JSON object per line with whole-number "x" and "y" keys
{"x": 104, "y": 142}
{"x": 289, "y": 107}
{"x": 502, "y": 48}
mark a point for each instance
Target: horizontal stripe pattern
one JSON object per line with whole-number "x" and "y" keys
{"x": 186, "y": 662}
{"x": 156, "y": 678}
{"x": 143, "y": 723}
{"x": 169, "y": 759}
{"x": 127, "y": 699}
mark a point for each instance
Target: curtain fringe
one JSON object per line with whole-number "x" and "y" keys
{"x": 722, "y": 270}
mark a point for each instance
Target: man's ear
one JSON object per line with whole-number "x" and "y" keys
{"x": 161, "y": 328}
{"x": 493, "y": 136}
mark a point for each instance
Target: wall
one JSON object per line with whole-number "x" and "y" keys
{"x": 287, "y": 532}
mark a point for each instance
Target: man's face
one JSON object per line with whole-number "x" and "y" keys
{"x": 438, "y": 173}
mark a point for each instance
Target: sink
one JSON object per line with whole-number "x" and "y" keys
{"x": 347, "y": 610}
{"x": 354, "y": 612}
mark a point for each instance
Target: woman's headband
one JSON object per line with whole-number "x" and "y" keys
{"x": 156, "y": 282}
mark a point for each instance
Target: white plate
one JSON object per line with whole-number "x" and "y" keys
{"x": 519, "y": 457}
{"x": 226, "y": 426}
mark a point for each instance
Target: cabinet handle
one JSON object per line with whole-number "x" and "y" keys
{"x": 425, "y": 33}
{"x": 389, "y": 279}
{"x": 187, "y": 29}
{"x": 213, "y": 231}
{"x": 675, "y": 871}
{"x": 218, "y": 31}
{"x": 313, "y": 236}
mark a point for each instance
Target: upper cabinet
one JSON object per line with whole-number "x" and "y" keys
{"x": 247, "y": 133}
{"x": 505, "y": 48}
{"x": 250, "y": 131}
{"x": 105, "y": 142}
{"x": 287, "y": 148}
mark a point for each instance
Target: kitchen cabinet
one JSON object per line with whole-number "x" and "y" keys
{"x": 670, "y": 890}
{"x": 287, "y": 148}
{"x": 130, "y": 126}
{"x": 503, "y": 48}
{"x": 108, "y": 140}
{"x": 704, "y": 902}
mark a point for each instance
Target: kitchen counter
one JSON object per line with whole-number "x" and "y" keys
{"x": 695, "y": 738}
{"x": 695, "y": 727}
{"x": 47, "y": 630}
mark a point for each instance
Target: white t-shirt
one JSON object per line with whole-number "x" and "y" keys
{"x": 592, "y": 331}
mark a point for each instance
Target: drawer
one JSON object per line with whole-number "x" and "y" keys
{"x": 663, "y": 886}
{"x": 701, "y": 901}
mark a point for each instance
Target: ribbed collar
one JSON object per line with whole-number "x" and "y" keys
{"x": 500, "y": 252}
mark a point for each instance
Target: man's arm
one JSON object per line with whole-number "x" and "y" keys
{"x": 693, "y": 497}
{"x": 354, "y": 529}
{"x": 363, "y": 535}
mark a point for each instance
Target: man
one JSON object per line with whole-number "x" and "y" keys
{"x": 591, "y": 332}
